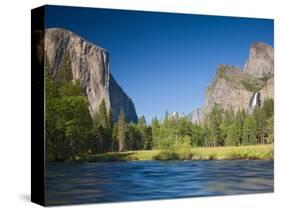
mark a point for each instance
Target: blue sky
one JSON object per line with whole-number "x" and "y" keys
{"x": 164, "y": 61}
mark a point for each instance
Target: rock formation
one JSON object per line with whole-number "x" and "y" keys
{"x": 241, "y": 89}
{"x": 196, "y": 116}
{"x": 90, "y": 65}
{"x": 261, "y": 60}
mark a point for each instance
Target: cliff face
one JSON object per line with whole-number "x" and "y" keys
{"x": 196, "y": 116}
{"x": 261, "y": 60}
{"x": 90, "y": 65}
{"x": 241, "y": 89}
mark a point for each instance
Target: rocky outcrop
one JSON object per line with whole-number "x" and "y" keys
{"x": 226, "y": 90}
{"x": 90, "y": 65}
{"x": 238, "y": 89}
{"x": 196, "y": 116}
{"x": 261, "y": 60}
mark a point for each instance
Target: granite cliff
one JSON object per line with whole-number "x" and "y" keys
{"x": 241, "y": 89}
{"x": 90, "y": 65}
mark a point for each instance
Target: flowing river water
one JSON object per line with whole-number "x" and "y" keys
{"x": 78, "y": 183}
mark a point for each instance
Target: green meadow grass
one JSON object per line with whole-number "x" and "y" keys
{"x": 253, "y": 152}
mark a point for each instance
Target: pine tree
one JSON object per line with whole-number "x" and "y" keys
{"x": 64, "y": 74}
{"x": 71, "y": 89}
{"x": 268, "y": 107}
{"x": 207, "y": 135}
{"x": 270, "y": 130}
{"x": 260, "y": 118}
{"x": 114, "y": 137}
{"x": 232, "y": 136}
{"x": 133, "y": 137}
{"x": 121, "y": 132}
{"x": 197, "y": 135}
{"x": 239, "y": 121}
{"x": 249, "y": 131}
{"x": 110, "y": 119}
{"x": 110, "y": 128}
{"x": 142, "y": 127}
{"x": 103, "y": 128}
{"x": 102, "y": 115}
{"x": 215, "y": 121}
{"x": 52, "y": 134}
{"x": 155, "y": 132}
{"x": 228, "y": 120}
{"x": 148, "y": 138}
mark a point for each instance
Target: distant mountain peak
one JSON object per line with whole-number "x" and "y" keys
{"x": 261, "y": 60}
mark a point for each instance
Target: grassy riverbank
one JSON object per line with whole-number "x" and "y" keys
{"x": 254, "y": 152}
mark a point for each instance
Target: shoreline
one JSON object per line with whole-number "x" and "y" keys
{"x": 253, "y": 152}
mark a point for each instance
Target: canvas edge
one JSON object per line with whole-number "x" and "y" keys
{"x": 37, "y": 106}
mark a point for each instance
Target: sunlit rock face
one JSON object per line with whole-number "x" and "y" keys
{"x": 90, "y": 65}
{"x": 196, "y": 116}
{"x": 236, "y": 89}
{"x": 261, "y": 60}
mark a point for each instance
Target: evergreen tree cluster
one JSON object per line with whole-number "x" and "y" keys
{"x": 226, "y": 128}
{"x": 68, "y": 121}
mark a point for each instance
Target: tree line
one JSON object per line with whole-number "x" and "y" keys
{"x": 71, "y": 131}
{"x": 240, "y": 128}
{"x": 219, "y": 128}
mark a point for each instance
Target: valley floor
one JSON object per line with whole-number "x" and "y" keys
{"x": 252, "y": 152}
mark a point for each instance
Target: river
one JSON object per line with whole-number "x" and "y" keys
{"x": 79, "y": 183}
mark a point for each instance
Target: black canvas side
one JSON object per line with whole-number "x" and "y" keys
{"x": 37, "y": 107}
